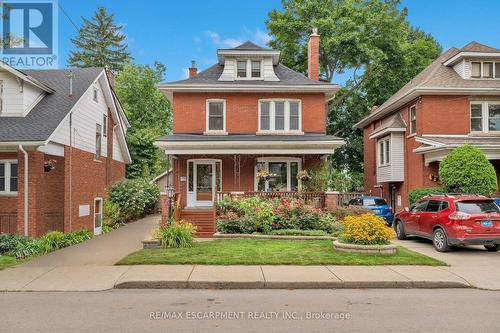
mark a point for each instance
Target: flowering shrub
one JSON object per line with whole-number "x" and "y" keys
{"x": 366, "y": 229}
{"x": 256, "y": 214}
{"x": 135, "y": 198}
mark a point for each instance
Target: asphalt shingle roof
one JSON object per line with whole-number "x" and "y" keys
{"x": 44, "y": 118}
{"x": 248, "y": 45}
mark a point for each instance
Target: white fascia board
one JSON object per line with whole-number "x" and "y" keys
{"x": 291, "y": 151}
{"x": 429, "y": 142}
{"x": 459, "y": 56}
{"x": 22, "y": 143}
{"x": 387, "y": 131}
{"x": 26, "y": 78}
{"x": 223, "y": 53}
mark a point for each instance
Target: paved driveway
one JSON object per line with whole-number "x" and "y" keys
{"x": 101, "y": 250}
{"x": 474, "y": 263}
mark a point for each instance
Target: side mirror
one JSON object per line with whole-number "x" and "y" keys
{"x": 407, "y": 209}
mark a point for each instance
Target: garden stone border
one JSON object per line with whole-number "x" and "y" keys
{"x": 218, "y": 235}
{"x": 355, "y": 248}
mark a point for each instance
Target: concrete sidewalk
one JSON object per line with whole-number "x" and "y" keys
{"x": 97, "y": 278}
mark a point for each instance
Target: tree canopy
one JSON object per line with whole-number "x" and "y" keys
{"x": 149, "y": 114}
{"x": 100, "y": 43}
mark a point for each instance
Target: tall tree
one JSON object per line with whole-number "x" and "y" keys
{"x": 100, "y": 43}
{"x": 149, "y": 114}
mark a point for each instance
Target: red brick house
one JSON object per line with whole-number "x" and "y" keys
{"x": 246, "y": 114}
{"x": 72, "y": 120}
{"x": 455, "y": 100}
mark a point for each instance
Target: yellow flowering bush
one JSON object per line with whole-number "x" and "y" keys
{"x": 366, "y": 229}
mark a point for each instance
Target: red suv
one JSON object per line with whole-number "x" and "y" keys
{"x": 452, "y": 219}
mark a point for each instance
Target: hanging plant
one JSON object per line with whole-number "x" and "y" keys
{"x": 304, "y": 176}
{"x": 262, "y": 175}
{"x": 49, "y": 165}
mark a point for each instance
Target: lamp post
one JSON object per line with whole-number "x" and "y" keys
{"x": 170, "y": 194}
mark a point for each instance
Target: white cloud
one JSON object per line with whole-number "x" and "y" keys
{"x": 185, "y": 72}
{"x": 261, "y": 37}
{"x": 257, "y": 36}
{"x": 224, "y": 42}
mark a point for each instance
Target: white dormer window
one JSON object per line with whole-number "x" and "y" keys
{"x": 280, "y": 115}
{"x": 247, "y": 69}
{"x": 384, "y": 152}
{"x": 485, "y": 70}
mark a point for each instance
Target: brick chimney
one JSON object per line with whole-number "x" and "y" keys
{"x": 193, "y": 70}
{"x": 313, "y": 55}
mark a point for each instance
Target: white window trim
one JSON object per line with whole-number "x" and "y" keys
{"x": 7, "y": 177}
{"x": 214, "y": 183}
{"x": 272, "y": 129}
{"x": 207, "y": 114}
{"x": 481, "y": 62}
{"x": 249, "y": 69}
{"x": 288, "y": 160}
{"x": 383, "y": 143}
{"x": 413, "y": 131}
{"x": 485, "y": 114}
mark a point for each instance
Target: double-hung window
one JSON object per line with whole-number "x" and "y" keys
{"x": 485, "y": 70}
{"x": 384, "y": 152}
{"x": 8, "y": 176}
{"x": 241, "y": 69}
{"x": 280, "y": 115}
{"x": 413, "y": 119}
{"x": 247, "y": 69}
{"x": 216, "y": 116}
{"x": 485, "y": 117}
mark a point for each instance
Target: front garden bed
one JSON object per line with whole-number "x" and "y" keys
{"x": 271, "y": 252}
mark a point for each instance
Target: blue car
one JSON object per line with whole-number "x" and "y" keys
{"x": 377, "y": 205}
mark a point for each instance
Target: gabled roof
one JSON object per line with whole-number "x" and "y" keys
{"x": 434, "y": 79}
{"x": 44, "y": 118}
{"x": 478, "y": 47}
{"x": 24, "y": 75}
{"x": 395, "y": 123}
{"x": 248, "y": 45}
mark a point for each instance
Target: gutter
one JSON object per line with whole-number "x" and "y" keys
{"x": 26, "y": 185}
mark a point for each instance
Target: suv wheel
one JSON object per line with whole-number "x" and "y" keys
{"x": 440, "y": 241}
{"x": 400, "y": 230}
{"x": 491, "y": 247}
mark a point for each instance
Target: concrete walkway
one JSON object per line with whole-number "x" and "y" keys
{"x": 101, "y": 250}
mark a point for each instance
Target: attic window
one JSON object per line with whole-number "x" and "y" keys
{"x": 486, "y": 70}
{"x": 248, "y": 69}
{"x": 255, "y": 68}
{"x": 95, "y": 94}
{"x": 242, "y": 69}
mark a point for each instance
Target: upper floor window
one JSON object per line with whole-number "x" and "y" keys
{"x": 98, "y": 141}
{"x": 280, "y": 115}
{"x": 384, "y": 152}
{"x": 248, "y": 69}
{"x": 216, "y": 115}
{"x": 95, "y": 94}
{"x": 104, "y": 125}
{"x": 485, "y": 117}
{"x": 485, "y": 69}
{"x": 8, "y": 177}
{"x": 413, "y": 119}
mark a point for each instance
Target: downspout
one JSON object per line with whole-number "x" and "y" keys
{"x": 25, "y": 189}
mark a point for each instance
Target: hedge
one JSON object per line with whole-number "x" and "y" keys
{"x": 419, "y": 193}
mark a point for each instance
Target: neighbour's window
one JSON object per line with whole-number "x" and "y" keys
{"x": 255, "y": 69}
{"x": 413, "y": 120}
{"x": 8, "y": 177}
{"x": 433, "y": 206}
{"x": 241, "y": 70}
{"x": 485, "y": 117}
{"x": 476, "y": 69}
{"x": 384, "y": 152}
{"x": 98, "y": 143}
{"x": 280, "y": 115}
{"x": 488, "y": 69}
{"x": 95, "y": 94}
{"x": 215, "y": 115}
{"x": 476, "y": 117}
{"x": 497, "y": 69}
{"x": 105, "y": 125}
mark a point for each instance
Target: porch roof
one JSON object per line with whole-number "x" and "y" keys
{"x": 309, "y": 143}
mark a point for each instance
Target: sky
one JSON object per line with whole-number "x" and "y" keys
{"x": 174, "y": 32}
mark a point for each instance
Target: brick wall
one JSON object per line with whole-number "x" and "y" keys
{"x": 242, "y": 111}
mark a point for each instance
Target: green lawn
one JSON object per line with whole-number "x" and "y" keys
{"x": 7, "y": 261}
{"x": 271, "y": 252}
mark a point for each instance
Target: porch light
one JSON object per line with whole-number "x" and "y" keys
{"x": 170, "y": 191}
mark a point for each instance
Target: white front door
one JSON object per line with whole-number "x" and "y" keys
{"x": 201, "y": 189}
{"x": 97, "y": 216}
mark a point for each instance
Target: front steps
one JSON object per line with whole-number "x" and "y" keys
{"x": 203, "y": 219}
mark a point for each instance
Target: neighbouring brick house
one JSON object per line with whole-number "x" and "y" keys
{"x": 246, "y": 114}
{"x": 455, "y": 100}
{"x": 70, "y": 118}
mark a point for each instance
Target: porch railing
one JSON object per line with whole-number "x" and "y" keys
{"x": 316, "y": 199}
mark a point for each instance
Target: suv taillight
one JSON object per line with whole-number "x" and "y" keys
{"x": 459, "y": 216}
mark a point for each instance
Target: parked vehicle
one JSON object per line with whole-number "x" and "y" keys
{"x": 452, "y": 220}
{"x": 377, "y": 205}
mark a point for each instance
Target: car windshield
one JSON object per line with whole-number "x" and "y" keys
{"x": 477, "y": 207}
{"x": 374, "y": 202}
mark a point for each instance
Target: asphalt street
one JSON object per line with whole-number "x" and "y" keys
{"x": 381, "y": 310}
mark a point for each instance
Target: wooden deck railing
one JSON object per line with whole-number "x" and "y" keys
{"x": 316, "y": 199}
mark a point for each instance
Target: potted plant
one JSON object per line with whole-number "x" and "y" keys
{"x": 262, "y": 175}
{"x": 49, "y": 165}
{"x": 304, "y": 176}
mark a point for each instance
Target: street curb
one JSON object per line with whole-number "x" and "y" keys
{"x": 289, "y": 285}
